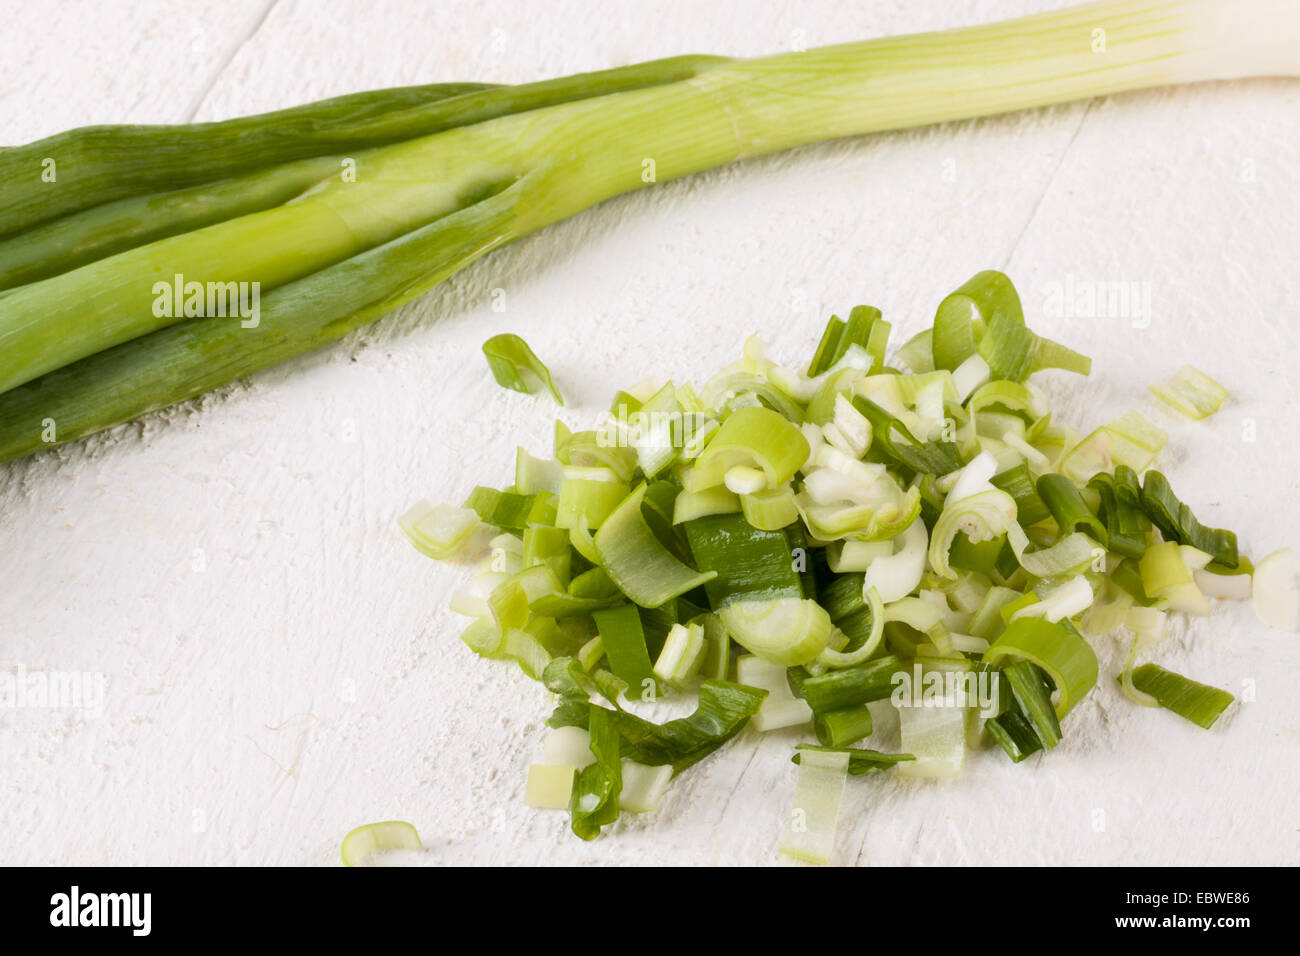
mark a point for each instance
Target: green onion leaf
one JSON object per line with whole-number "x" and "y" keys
{"x": 623, "y": 637}
{"x": 861, "y": 760}
{"x": 839, "y": 728}
{"x": 508, "y": 355}
{"x": 745, "y": 562}
{"x": 594, "y": 802}
{"x": 1032, "y": 692}
{"x": 1057, "y": 648}
{"x": 1199, "y": 703}
{"x": 637, "y": 562}
{"x": 1177, "y": 523}
{"x": 1067, "y": 506}
{"x": 849, "y": 686}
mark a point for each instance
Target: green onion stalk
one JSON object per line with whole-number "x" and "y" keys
{"x": 340, "y": 212}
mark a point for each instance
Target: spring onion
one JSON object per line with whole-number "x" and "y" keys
{"x": 1191, "y": 392}
{"x": 935, "y": 734}
{"x": 848, "y": 686}
{"x": 861, "y": 760}
{"x": 787, "y": 631}
{"x": 1032, "y": 693}
{"x": 780, "y": 708}
{"x": 1167, "y": 579}
{"x": 757, "y": 439}
{"x": 623, "y": 638}
{"x": 363, "y": 842}
{"x": 839, "y": 728}
{"x": 980, "y": 517}
{"x": 1129, "y": 440}
{"x": 1058, "y": 649}
{"x": 682, "y": 654}
{"x": 509, "y": 356}
{"x": 951, "y": 577}
{"x": 440, "y": 530}
{"x": 637, "y": 562}
{"x": 449, "y": 177}
{"x": 549, "y": 786}
{"x": 746, "y": 562}
{"x": 1177, "y": 523}
{"x": 1273, "y": 591}
{"x": 643, "y": 786}
{"x": 809, "y": 833}
{"x": 1199, "y": 703}
{"x": 568, "y": 746}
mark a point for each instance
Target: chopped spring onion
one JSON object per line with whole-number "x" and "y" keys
{"x": 438, "y": 531}
{"x": 569, "y": 746}
{"x": 511, "y": 511}
{"x": 536, "y": 474}
{"x": 1231, "y": 587}
{"x": 637, "y": 562}
{"x": 588, "y": 494}
{"x": 643, "y": 786}
{"x": 1191, "y": 392}
{"x": 746, "y": 563}
{"x": 980, "y": 517}
{"x": 1057, "y": 648}
{"x": 1177, "y": 523}
{"x": 861, "y": 760}
{"x": 1129, "y": 440}
{"x": 756, "y": 438}
{"x": 623, "y": 637}
{"x": 682, "y": 654}
{"x": 849, "y": 686}
{"x": 1018, "y": 483}
{"x": 780, "y": 707}
{"x": 896, "y": 575}
{"x": 509, "y": 357}
{"x": 1273, "y": 591}
{"x": 861, "y": 650}
{"x": 689, "y": 505}
{"x": 933, "y": 457}
{"x": 1166, "y": 578}
{"x": 935, "y": 734}
{"x": 809, "y": 832}
{"x": 1033, "y": 695}
{"x": 1072, "y": 554}
{"x": 1073, "y": 597}
{"x": 1199, "y": 703}
{"x": 549, "y": 786}
{"x": 1067, "y": 506}
{"x": 839, "y": 728}
{"x": 833, "y": 555}
{"x": 865, "y": 328}
{"x": 594, "y": 800}
{"x": 363, "y": 842}
{"x": 770, "y": 510}
{"x": 787, "y": 631}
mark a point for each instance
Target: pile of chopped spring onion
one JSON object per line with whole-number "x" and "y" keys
{"x": 790, "y": 546}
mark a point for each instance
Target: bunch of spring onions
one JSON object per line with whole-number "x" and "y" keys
{"x": 142, "y": 266}
{"x": 791, "y": 546}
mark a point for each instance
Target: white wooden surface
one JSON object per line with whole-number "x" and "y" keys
{"x": 276, "y": 665}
